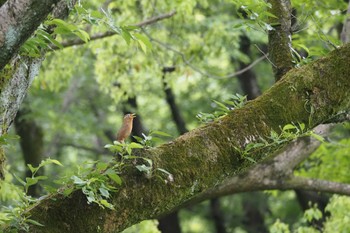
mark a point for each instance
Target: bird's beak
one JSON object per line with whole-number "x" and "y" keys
{"x": 133, "y": 115}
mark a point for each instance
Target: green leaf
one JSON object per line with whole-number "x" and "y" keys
{"x": 130, "y": 27}
{"x": 107, "y": 204}
{"x": 41, "y": 177}
{"x": 101, "y": 166}
{"x": 115, "y": 178}
{"x": 34, "y": 222}
{"x": 31, "y": 181}
{"x": 128, "y": 150}
{"x": 288, "y": 127}
{"x": 83, "y": 35}
{"x": 50, "y": 161}
{"x": 126, "y": 35}
{"x": 134, "y": 145}
{"x": 108, "y": 146}
{"x": 143, "y": 41}
{"x": 143, "y": 168}
{"x": 19, "y": 179}
{"x": 104, "y": 192}
{"x": 149, "y": 161}
{"x": 68, "y": 191}
{"x": 31, "y": 168}
{"x": 78, "y": 181}
{"x": 222, "y": 106}
{"x": 49, "y": 38}
{"x": 250, "y": 159}
{"x": 317, "y": 137}
{"x": 160, "y": 133}
{"x": 164, "y": 171}
{"x": 62, "y": 24}
{"x": 139, "y": 139}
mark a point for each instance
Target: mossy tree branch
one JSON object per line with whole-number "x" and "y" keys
{"x": 205, "y": 157}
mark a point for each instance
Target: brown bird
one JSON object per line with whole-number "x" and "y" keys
{"x": 126, "y": 127}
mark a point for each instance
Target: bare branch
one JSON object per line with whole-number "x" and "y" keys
{"x": 155, "y": 19}
{"x": 97, "y": 36}
{"x": 297, "y": 182}
{"x": 204, "y": 73}
{"x": 91, "y": 149}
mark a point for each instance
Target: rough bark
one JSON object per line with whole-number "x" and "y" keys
{"x": 18, "y": 20}
{"x": 203, "y": 158}
{"x": 280, "y": 37}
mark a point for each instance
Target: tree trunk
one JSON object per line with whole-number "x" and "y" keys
{"x": 32, "y": 145}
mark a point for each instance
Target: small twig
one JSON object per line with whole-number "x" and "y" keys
{"x": 155, "y": 19}
{"x": 266, "y": 55}
{"x": 91, "y": 149}
{"x": 187, "y": 62}
{"x": 97, "y": 36}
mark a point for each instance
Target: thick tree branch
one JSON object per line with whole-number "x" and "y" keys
{"x": 97, "y": 36}
{"x": 203, "y": 158}
{"x": 18, "y": 20}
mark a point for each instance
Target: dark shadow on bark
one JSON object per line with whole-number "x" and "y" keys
{"x": 31, "y": 143}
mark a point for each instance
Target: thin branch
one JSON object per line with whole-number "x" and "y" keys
{"x": 91, "y": 149}
{"x": 187, "y": 62}
{"x": 155, "y": 19}
{"x": 297, "y": 182}
{"x": 97, "y": 36}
